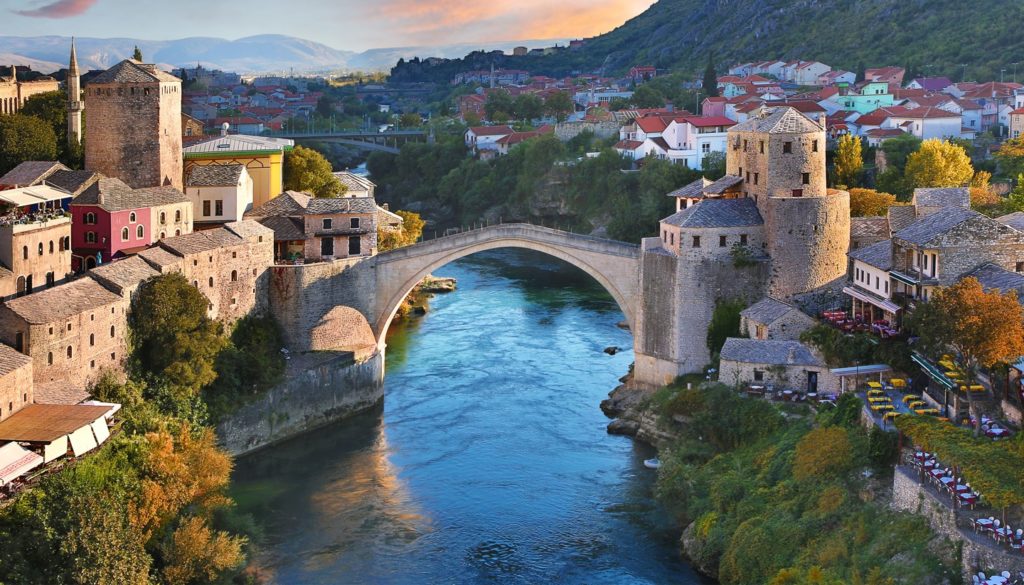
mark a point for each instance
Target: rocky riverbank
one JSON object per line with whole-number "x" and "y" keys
{"x": 418, "y": 300}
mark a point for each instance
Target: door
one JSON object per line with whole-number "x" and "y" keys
{"x": 327, "y": 246}
{"x": 812, "y": 381}
{"x": 354, "y": 248}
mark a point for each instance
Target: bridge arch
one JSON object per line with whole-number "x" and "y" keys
{"x": 614, "y": 265}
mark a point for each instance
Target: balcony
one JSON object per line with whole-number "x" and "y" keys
{"x": 14, "y": 223}
{"x": 913, "y": 277}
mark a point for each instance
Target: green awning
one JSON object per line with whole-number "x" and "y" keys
{"x": 933, "y": 372}
{"x": 902, "y": 277}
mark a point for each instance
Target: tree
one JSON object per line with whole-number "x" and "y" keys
{"x": 646, "y": 96}
{"x": 713, "y": 165}
{"x": 710, "y": 77}
{"x": 870, "y": 203}
{"x": 410, "y": 120}
{"x": 325, "y": 106}
{"x": 24, "y": 138}
{"x": 173, "y": 339}
{"x": 498, "y": 105}
{"x": 559, "y": 105}
{"x": 725, "y": 323}
{"x": 410, "y": 231}
{"x": 1011, "y": 156}
{"x": 982, "y": 195}
{"x": 137, "y": 54}
{"x": 860, "y": 72}
{"x": 527, "y": 106}
{"x": 849, "y": 161}
{"x": 198, "y": 554}
{"x": 52, "y": 108}
{"x": 898, "y": 149}
{"x": 823, "y": 453}
{"x": 307, "y": 170}
{"x": 938, "y": 163}
{"x": 982, "y": 328}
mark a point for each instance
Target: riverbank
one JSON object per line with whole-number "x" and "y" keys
{"x": 418, "y": 300}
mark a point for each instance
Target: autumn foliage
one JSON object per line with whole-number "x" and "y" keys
{"x": 870, "y": 203}
{"x": 823, "y": 453}
{"x": 939, "y": 163}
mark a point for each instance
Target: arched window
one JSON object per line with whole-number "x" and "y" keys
{"x": 67, "y": 242}
{"x": 124, "y": 234}
{"x": 177, "y": 215}
{"x": 51, "y": 246}
{"x": 92, "y": 339}
{"x": 90, "y": 218}
{"x": 21, "y": 285}
{"x": 195, "y": 283}
{"x": 163, "y": 235}
{"x": 90, "y": 237}
{"x": 131, "y": 217}
{"x": 60, "y": 245}
{"x": 177, "y": 232}
{"x": 163, "y": 217}
{"x": 40, "y": 248}
{"x": 140, "y": 232}
{"x": 69, "y": 352}
{"x": 234, "y": 276}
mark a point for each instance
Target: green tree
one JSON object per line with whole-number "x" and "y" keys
{"x": 24, "y": 138}
{"x": 646, "y": 96}
{"x": 410, "y": 120}
{"x": 307, "y": 170}
{"x": 325, "y": 106}
{"x": 173, "y": 339}
{"x": 710, "y": 77}
{"x": 527, "y": 106}
{"x": 849, "y": 161}
{"x": 498, "y": 105}
{"x": 1011, "y": 156}
{"x": 725, "y": 323}
{"x": 137, "y": 54}
{"x": 898, "y": 149}
{"x": 938, "y": 163}
{"x": 860, "y": 72}
{"x": 52, "y": 107}
{"x": 559, "y": 105}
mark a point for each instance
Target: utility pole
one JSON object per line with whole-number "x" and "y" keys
{"x": 964, "y": 78}
{"x": 1014, "y": 71}
{"x": 1001, "y": 72}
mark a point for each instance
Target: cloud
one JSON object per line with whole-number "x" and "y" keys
{"x": 59, "y": 9}
{"x": 444, "y": 21}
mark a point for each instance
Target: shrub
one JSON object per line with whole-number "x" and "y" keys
{"x": 825, "y": 452}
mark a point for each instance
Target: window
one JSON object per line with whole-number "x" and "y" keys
{"x": 743, "y": 239}
{"x": 140, "y": 232}
{"x": 355, "y": 246}
{"x": 759, "y": 375}
{"x": 163, "y": 235}
{"x": 748, "y": 177}
{"x": 69, "y": 352}
{"x": 328, "y": 223}
{"x": 887, "y": 287}
{"x": 798, "y": 192}
{"x": 696, "y": 241}
{"x": 177, "y": 232}
{"x": 40, "y": 248}
{"x": 50, "y": 279}
{"x": 90, "y": 237}
{"x": 124, "y": 234}
{"x": 67, "y": 242}
{"x": 206, "y": 208}
{"x": 805, "y": 178}
{"x": 163, "y": 217}
{"x": 744, "y": 146}
{"x": 762, "y": 147}
{"x": 111, "y": 330}
{"x": 756, "y": 175}
{"x": 19, "y": 341}
{"x": 24, "y": 253}
{"x": 131, "y": 217}
{"x": 327, "y": 246}
{"x": 211, "y": 282}
{"x": 787, "y": 147}
{"x": 1019, "y": 267}
{"x": 218, "y": 207}
{"x": 92, "y": 339}
{"x": 51, "y": 246}
{"x": 49, "y": 358}
{"x": 234, "y": 276}
{"x": 721, "y": 241}
{"x": 814, "y": 146}
{"x": 90, "y": 218}
{"x": 177, "y": 215}
{"x": 354, "y": 224}
{"x": 672, "y": 238}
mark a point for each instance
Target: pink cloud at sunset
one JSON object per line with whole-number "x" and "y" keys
{"x": 434, "y": 20}
{"x": 59, "y": 9}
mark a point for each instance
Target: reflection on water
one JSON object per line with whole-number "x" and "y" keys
{"x": 489, "y": 461}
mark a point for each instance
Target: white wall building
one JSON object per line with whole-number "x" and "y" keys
{"x": 219, "y": 193}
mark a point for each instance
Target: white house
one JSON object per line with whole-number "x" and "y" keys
{"x": 926, "y": 122}
{"x": 680, "y": 139}
{"x": 219, "y": 193}
{"x": 808, "y": 72}
{"x": 970, "y": 112}
{"x": 869, "y": 286}
{"x": 485, "y": 137}
{"x": 356, "y": 185}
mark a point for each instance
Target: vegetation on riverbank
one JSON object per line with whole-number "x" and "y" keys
{"x": 151, "y": 505}
{"x": 542, "y": 181}
{"x": 779, "y": 495}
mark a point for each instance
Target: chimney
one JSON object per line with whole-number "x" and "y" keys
{"x": 821, "y": 120}
{"x": 224, "y": 129}
{"x": 386, "y": 206}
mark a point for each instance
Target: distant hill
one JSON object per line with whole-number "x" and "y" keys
{"x": 932, "y": 36}
{"x": 257, "y": 54}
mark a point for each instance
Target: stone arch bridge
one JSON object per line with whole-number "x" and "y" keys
{"x": 316, "y": 303}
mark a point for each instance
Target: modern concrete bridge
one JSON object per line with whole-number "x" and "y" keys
{"x": 389, "y": 141}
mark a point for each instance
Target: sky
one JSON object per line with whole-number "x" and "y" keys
{"x": 343, "y": 24}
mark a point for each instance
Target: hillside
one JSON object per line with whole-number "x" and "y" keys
{"x": 679, "y": 34}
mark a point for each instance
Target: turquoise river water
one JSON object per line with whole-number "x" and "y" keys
{"x": 488, "y": 462}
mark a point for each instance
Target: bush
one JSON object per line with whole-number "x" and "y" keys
{"x": 825, "y": 452}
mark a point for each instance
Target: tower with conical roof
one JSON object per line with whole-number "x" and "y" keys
{"x": 75, "y": 104}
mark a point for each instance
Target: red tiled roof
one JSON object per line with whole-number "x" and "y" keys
{"x": 491, "y": 130}
{"x": 707, "y": 121}
{"x": 883, "y": 132}
{"x": 651, "y": 124}
{"x": 628, "y": 145}
{"x": 926, "y": 112}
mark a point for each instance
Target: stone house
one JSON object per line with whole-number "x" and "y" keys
{"x": 773, "y": 319}
{"x": 218, "y": 193}
{"x": 133, "y": 125}
{"x": 15, "y": 381}
{"x": 111, "y": 220}
{"x": 927, "y": 201}
{"x": 49, "y": 173}
{"x": 312, "y": 229}
{"x": 865, "y": 231}
{"x": 356, "y": 185}
{"x": 712, "y": 229}
{"x": 784, "y": 364}
{"x": 34, "y": 252}
{"x": 870, "y": 286}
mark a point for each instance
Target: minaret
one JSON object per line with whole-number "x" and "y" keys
{"x": 75, "y": 104}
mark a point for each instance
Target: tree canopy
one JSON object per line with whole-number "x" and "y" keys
{"x": 24, "y": 138}
{"x": 870, "y": 203}
{"x": 307, "y": 170}
{"x": 710, "y": 82}
{"x": 939, "y": 163}
{"x": 409, "y": 233}
{"x": 849, "y": 161}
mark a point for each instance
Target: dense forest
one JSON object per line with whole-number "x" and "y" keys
{"x": 936, "y": 37}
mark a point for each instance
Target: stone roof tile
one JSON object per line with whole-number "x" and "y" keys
{"x": 1014, "y": 220}
{"x": 60, "y": 302}
{"x": 131, "y": 71}
{"x": 692, "y": 190}
{"x": 942, "y": 197}
{"x": 900, "y": 216}
{"x": 922, "y": 231}
{"x": 878, "y": 255}
{"x": 125, "y": 273}
{"x": 717, "y": 213}
{"x": 31, "y": 172}
{"x": 284, "y": 227}
{"x": 769, "y": 351}
{"x": 12, "y": 359}
{"x": 767, "y": 310}
{"x": 865, "y": 227}
{"x": 214, "y": 175}
{"x": 994, "y": 277}
{"x": 115, "y": 195}
{"x": 781, "y": 120}
{"x": 73, "y": 182}
{"x": 200, "y": 241}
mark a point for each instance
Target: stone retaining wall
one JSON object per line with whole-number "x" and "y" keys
{"x": 324, "y": 388}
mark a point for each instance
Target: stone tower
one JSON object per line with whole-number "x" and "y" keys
{"x": 133, "y": 130}
{"x": 780, "y": 157}
{"x": 75, "y": 104}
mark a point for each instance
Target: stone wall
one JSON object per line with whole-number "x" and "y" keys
{"x": 20, "y": 251}
{"x": 15, "y": 381}
{"x": 323, "y": 388}
{"x": 808, "y": 238}
{"x": 566, "y": 131}
{"x": 735, "y": 373}
{"x": 977, "y": 553}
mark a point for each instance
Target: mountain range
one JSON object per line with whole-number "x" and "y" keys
{"x": 257, "y": 54}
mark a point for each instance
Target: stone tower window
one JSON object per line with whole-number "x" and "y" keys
{"x": 234, "y": 276}
{"x": 762, "y": 147}
{"x": 721, "y": 241}
{"x": 805, "y": 178}
{"x": 787, "y": 147}
{"x": 355, "y": 223}
{"x": 328, "y": 223}
{"x": 69, "y": 352}
{"x": 744, "y": 146}
{"x": 211, "y": 282}
{"x": 755, "y": 177}
{"x": 49, "y": 358}
{"x": 743, "y": 239}
{"x": 696, "y": 241}
{"x": 798, "y": 192}
{"x": 92, "y": 339}
{"x": 51, "y": 246}
{"x": 24, "y": 253}
{"x": 814, "y": 146}
{"x": 40, "y": 248}
{"x": 111, "y": 330}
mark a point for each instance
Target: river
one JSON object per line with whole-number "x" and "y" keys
{"x": 488, "y": 462}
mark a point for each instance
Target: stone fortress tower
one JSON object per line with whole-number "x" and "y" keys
{"x": 769, "y": 227}
{"x": 75, "y": 104}
{"x": 133, "y": 130}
